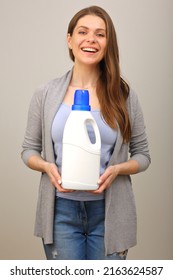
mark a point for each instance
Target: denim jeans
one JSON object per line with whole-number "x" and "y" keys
{"x": 79, "y": 231}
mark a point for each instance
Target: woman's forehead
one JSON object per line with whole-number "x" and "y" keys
{"x": 91, "y": 22}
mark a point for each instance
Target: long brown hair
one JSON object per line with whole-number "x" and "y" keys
{"x": 112, "y": 90}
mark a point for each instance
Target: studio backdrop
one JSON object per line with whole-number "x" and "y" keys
{"x": 33, "y": 50}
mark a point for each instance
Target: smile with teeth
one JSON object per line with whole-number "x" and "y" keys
{"x": 92, "y": 50}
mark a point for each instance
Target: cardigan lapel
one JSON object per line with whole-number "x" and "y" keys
{"x": 118, "y": 144}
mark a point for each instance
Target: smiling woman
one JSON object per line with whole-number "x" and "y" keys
{"x": 88, "y": 37}
{"x": 99, "y": 224}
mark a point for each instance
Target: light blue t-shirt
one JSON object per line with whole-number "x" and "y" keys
{"x": 108, "y": 140}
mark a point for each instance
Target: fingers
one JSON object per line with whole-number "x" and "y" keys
{"x": 108, "y": 172}
{"x": 55, "y": 178}
{"x": 103, "y": 186}
{"x": 60, "y": 188}
{"x": 106, "y": 179}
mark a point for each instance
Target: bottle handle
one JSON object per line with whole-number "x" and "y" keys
{"x": 97, "y": 144}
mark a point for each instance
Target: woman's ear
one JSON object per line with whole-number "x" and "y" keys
{"x": 69, "y": 40}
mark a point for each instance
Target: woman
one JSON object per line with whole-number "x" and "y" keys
{"x": 99, "y": 224}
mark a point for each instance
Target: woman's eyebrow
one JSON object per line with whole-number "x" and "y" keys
{"x": 97, "y": 29}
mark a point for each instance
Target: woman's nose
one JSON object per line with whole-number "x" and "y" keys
{"x": 91, "y": 38}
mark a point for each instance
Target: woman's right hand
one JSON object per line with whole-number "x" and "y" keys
{"x": 55, "y": 178}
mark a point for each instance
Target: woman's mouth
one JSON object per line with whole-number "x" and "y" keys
{"x": 89, "y": 49}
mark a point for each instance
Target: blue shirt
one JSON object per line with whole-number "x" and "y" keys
{"x": 108, "y": 140}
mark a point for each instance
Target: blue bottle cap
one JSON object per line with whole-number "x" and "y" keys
{"x": 81, "y": 100}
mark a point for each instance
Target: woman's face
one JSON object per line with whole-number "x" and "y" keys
{"x": 88, "y": 41}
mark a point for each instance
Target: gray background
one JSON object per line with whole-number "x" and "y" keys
{"x": 33, "y": 50}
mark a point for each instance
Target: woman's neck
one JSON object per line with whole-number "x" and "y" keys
{"x": 84, "y": 77}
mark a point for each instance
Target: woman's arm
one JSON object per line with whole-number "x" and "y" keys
{"x": 138, "y": 149}
{"x": 32, "y": 145}
{"x": 126, "y": 168}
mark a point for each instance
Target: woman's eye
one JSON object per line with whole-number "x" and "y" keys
{"x": 100, "y": 35}
{"x": 82, "y": 32}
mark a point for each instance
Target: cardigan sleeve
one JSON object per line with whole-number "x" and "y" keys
{"x": 32, "y": 144}
{"x": 138, "y": 147}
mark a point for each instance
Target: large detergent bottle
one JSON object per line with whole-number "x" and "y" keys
{"x": 80, "y": 157}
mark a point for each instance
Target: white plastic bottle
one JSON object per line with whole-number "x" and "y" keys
{"x": 80, "y": 157}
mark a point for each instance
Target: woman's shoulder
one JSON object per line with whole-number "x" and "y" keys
{"x": 133, "y": 99}
{"x": 132, "y": 95}
{"x": 60, "y": 80}
{"x": 133, "y": 103}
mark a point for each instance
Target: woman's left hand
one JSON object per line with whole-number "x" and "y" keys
{"x": 107, "y": 178}
{"x": 125, "y": 168}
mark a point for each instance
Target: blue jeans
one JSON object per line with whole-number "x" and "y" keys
{"x": 79, "y": 231}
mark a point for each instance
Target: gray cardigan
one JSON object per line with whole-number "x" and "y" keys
{"x": 120, "y": 213}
